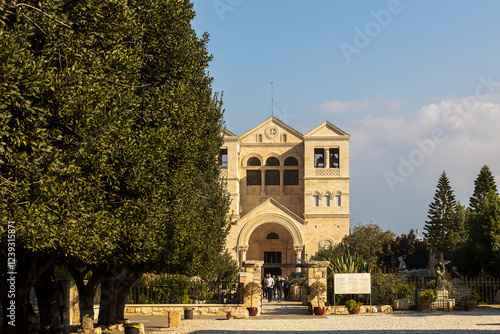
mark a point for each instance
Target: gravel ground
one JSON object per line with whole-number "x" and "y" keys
{"x": 483, "y": 320}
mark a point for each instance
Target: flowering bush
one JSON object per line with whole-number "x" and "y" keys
{"x": 426, "y": 295}
{"x": 351, "y": 304}
{"x": 384, "y": 288}
{"x": 405, "y": 290}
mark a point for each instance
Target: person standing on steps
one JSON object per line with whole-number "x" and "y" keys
{"x": 275, "y": 285}
{"x": 279, "y": 288}
{"x": 286, "y": 288}
{"x": 270, "y": 287}
{"x": 264, "y": 287}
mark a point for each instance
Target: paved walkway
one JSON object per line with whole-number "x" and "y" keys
{"x": 485, "y": 320}
{"x": 273, "y": 310}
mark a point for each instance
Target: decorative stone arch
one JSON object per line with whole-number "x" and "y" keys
{"x": 293, "y": 155}
{"x": 327, "y": 193}
{"x": 317, "y": 193}
{"x": 244, "y": 161}
{"x": 287, "y": 223}
{"x": 323, "y": 243}
{"x": 272, "y": 155}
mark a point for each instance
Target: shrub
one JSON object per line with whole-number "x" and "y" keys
{"x": 474, "y": 295}
{"x": 426, "y": 295}
{"x": 384, "y": 288}
{"x": 405, "y": 290}
{"x": 251, "y": 289}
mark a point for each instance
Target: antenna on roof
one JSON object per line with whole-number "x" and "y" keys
{"x": 272, "y": 100}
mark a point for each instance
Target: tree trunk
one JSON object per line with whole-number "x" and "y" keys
{"x": 113, "y": 296}
{"x": 15, "y": 294}
{"x": 87, "y": 292}
{"x": 46, "y": 295}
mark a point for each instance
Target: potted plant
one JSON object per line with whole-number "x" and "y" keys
{"x": 250, "y": 290}
{"x": 472, "y": 300}
{"x": 318, "y": 288}
{"x": 353, "y": 306}
{"x": 404, "y": 297}
{"x": 426, "y": 297}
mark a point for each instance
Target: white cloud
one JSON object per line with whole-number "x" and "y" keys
{"x": 469, "y": 138}
{"x": 369, "y": 104}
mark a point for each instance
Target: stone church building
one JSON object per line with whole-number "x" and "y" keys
{"x": 289, "y": 192}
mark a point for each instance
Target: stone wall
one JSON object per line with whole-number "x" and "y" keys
{"x": 164, "y": 309}
{"x": 253, "y": 272}
{"x": 316, "y": 272}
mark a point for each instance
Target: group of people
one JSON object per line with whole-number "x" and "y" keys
{"x": 276, "y": 287}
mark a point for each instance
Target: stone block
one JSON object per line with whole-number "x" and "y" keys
{"x": 402, "y": 304}
{"x": 385, "y": 308}
{"x": 237, "y": 314}
{"x": 146, "y": 310}
{"x": 174, "y": 319}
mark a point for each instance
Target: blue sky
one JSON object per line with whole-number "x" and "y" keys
{"x": 415, "y": 83}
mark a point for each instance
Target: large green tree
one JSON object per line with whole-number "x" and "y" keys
{"x": 109, "y": 132}
{"x": 367, "y": 241}
{"x": 484, "y": 183}
{"x": 414, "y": 252}
{"x": 483, "y": 246}
{"x": 441, "y": 215}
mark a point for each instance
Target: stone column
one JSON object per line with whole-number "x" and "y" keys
{"x": 298, "y": 255}
{"x": 327, "y": 158}
{"x": 316, "y": 272}
{"x": 262, "y": 182}
{"x": 242, "y": 254}
{"x": 253, "y": 270}
{"x": 282, "y": 182}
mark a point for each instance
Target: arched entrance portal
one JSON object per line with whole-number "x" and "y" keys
{"x": 273, "y": 239}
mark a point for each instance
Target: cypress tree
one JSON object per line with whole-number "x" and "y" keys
{"x": 482, "y": 186}
{"x": 441, "y": 215}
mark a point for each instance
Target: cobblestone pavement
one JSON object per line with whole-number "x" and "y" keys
{"x": 294, "y": 318}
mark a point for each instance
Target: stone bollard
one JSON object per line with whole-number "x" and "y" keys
{"x": 174, "y": 319}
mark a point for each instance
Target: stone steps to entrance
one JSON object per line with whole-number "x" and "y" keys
{"x": 283, "y": 309}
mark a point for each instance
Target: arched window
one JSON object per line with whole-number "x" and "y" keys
{"x": 316, "y": 200}
{"x": 272, "y": 235}
{"x": 326, "y": 200}
{"x": 254, "y": 161}
{"x": 284, "y": 138}
{"x": 291, "y": 161}
{"x": 272, "y": 161}
{"x": 337, "y": 200}
{"x": 259, "y": 138}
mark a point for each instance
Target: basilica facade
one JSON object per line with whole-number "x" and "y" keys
{"x": 289, "y": 192}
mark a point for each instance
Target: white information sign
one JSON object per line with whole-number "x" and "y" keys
{"x": 352, "y": 283}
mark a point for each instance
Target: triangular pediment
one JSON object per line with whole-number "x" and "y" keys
{"x": 326, "y": 129}
{"x": 227, "y": 133}
{"x": 272, "y": 131}
{"x": 272, "y": 206}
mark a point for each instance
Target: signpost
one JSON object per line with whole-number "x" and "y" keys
{"x": 358, "y": 283}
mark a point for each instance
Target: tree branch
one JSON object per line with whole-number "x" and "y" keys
{"x": 41, "y": 11}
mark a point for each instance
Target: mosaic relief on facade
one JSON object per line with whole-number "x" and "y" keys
{"x": 289, "y": 192}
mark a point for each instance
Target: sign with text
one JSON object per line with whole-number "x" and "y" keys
{"x": 352, "y": 283}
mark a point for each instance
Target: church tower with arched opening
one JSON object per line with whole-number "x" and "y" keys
{"x": 289, "y": 192}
